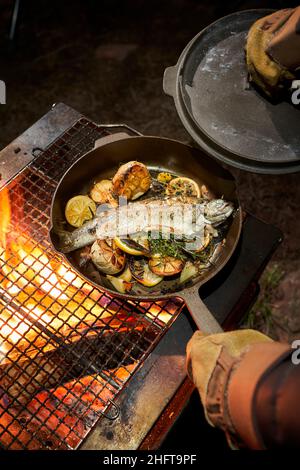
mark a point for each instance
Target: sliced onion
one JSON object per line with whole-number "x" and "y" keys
{"x": 119, "y": 284}
{"x": 188, "y": 272}
{"x": 141, "y": 272}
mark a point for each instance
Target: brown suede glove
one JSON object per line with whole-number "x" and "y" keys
{"x": 273, "y": 51}
{"x": 210, "y": 362}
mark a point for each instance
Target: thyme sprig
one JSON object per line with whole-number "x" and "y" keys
{"x": 177, "y": 249}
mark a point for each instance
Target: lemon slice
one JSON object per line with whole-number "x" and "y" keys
{"x": 79, "y": 209}
{"x": 131, "y": 246}
{"x": 166, "y": 265}
{"x": 142, "y": 239}
{"x": 183, "y": 186}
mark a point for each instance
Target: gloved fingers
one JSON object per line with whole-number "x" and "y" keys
{"x": 233, "y": 341}
{"x": 198, "y": 335}
{"x": 201, "y": 362}
{"x": 201, "y": 357}
{"x": 272, "y": 51}
{"x": 203, "y": 351}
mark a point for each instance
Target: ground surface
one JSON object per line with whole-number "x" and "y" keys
{"x": 107, "y": 59}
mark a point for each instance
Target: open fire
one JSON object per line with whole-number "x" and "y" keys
{"x": 66, "y": 349}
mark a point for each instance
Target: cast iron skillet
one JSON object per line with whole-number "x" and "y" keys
{"x": 158, "y": 154}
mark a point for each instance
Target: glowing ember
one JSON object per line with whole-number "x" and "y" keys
{"x": 31, "y": 266}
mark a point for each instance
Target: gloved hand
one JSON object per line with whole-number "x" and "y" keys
{"x": 210, "y": 359}
{"x": 273, "y": 51}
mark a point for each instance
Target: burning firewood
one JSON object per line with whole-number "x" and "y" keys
{"x": 21, "y": 380}
{"x": 26, "y": 334}
{"x": 88, "y": 356}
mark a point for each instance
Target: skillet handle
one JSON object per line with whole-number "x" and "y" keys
{"x": 126, "y": 131}
{"x": 125, "y": 128}
{"x": 110, "y": 138}
{"x": 203, "y": 318}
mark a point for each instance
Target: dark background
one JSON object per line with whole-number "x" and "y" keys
{"x": 106, "y": 58}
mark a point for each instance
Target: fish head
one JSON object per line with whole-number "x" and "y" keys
{"x": 218, "y": 210}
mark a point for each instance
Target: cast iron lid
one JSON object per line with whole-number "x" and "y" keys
{"x": 225, "y": 115}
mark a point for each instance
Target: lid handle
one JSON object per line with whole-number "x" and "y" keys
{"x": 169, "y": 81}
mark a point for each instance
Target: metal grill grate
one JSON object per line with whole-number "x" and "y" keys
{"x": 66, "y": 348}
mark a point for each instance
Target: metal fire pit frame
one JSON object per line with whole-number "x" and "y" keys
{"x": 153, "y": 385}
{"x": 63, "y": 365}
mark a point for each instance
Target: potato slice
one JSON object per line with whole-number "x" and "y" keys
{"x": 102, "y": 193}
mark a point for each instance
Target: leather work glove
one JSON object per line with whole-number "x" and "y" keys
{"x": 210, "y": 361}
{"x": 273, "y": 51}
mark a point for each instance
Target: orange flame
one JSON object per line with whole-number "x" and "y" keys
{"x": 5, "y": 215}
{"x": 31, "y": 262}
